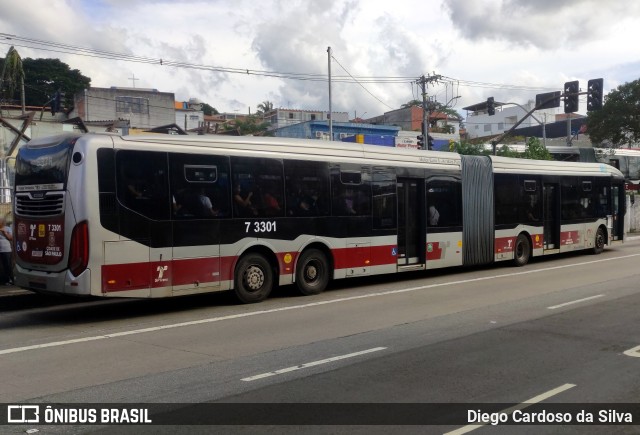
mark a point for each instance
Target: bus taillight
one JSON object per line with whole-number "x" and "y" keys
{"x": 79, "y": 252}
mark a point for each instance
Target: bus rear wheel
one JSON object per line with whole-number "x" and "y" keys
{"x": 253, "y": 278}
{"x": 312, "y": 272}
{"x": 599, "y": 242}
{"x": 522, "y": 251}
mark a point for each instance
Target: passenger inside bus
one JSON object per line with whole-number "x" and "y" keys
{"x": 349, "y": 202}
{"x": 242, "y": 201}
{"x": 271, "y": 203}
{"x": 434, "y": 216}
{"x": 194, "y": 203}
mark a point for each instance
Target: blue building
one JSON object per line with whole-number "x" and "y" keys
{"x": 341, "y": 130}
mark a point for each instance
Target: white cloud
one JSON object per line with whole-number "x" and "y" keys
{"x": 528, "y": 44}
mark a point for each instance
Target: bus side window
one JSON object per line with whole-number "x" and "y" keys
{"x": 199, "y": 186}
{"x": 444, "y": 202}
{"x": 351, "y": 190}
{"x": 258, "y": 187}
{"x": 307, "y": 188}
{"x": 143, "y": 183}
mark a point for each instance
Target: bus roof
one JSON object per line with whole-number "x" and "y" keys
{"x": 312, "y": 149}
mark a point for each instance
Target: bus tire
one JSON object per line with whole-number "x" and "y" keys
{"x": 253, "y": 278}
{"x": 312, "y": 272}
{"x": 521, "y": 251}
{"x": 599, "y": 242}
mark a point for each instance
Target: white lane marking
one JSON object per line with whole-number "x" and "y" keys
{"x": 634, "y": 352}
{"x": 296, "y": 307}
{"x": 523, "y": 405}
{"x": 311, "y": 364}
{"x": 577, "y": 301}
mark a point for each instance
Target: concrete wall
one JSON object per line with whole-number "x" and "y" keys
{"x": 99, "y": 104}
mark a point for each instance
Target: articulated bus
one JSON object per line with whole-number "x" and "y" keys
{"x": 627, "y": 160}
{"x": 159, "y": 216}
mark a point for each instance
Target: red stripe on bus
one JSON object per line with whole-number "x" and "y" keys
{"x": 434, "y": 251}
{"x": 364, "y": 255}
{"x": 504, "y": 244}
{"x": 569, "y": 238}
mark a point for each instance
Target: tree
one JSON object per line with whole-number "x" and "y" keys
{"x": 467, "y": 148}
{"x": 208, "y": 110}
{"x": 535, "y": 150}
{"x": 264, "y": 107}
{"x": 44, "y": 77}
{"x": 12, "y": 78}
{"x": 251, "y": 125}
{"x": 618, "y": 122}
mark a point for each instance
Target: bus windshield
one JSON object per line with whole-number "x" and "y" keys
{"x": 44, "y": 165}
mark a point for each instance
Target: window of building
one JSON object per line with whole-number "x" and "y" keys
{"x": 132, "y": 105}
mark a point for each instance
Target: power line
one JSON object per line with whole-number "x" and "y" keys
{"x": 367, "y": 90}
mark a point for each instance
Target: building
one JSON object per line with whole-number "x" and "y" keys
{"x": 141, "y": 108}
{"x": 480, "y": 124}
{"x": 410, "y": 119}
{"x": 279, "y": 118}
{"x": 189, "y": 114}
{"x": 320, "y": 130}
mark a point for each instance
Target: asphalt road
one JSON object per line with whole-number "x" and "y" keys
{"x": 557, "y": 331}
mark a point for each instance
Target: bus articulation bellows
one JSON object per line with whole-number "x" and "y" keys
{"x": 159, "y": 216}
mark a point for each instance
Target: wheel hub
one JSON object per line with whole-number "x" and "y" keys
{"x": 311, "y": 272}
{"x": 254, "y": 278}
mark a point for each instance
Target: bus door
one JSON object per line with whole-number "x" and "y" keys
{"x": 618, "y": 199}
{"x": 411, "y": 240}
{"x": 551, "y": 206}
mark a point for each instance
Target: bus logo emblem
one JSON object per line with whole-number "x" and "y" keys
{"x": 161, "y": 270}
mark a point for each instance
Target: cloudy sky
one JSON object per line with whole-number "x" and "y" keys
{"x": 236, "y": 54}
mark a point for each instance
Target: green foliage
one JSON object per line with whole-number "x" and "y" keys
{"x": 264, "y": 107}
{"x": 535, "y": 150}
{"x": 618, "y": 122}
{"x": 467, "y": 148}
{"x": 12, "y": 74}
{"x": 251, "y": 125}
{"x": 43, "y": 78}
{"x": 208, "y": 110}
{"x": 505, "y": 151}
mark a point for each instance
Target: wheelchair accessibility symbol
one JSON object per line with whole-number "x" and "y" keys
{"x": 394, "y": 251}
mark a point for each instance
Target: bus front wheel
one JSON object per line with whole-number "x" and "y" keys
{"x": 312, "y": 272}
{"x": 599, "y": 242}
{"x": 522, "y": 251}
{"x": 253, "y": 278}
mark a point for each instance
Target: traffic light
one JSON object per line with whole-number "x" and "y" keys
{"x": 571, "y": 90}
{"x": 429, "y": 142}
{"x": 491, "y": 106}
{"x": 420, "y": 142}
{"x": 594, "y": 94}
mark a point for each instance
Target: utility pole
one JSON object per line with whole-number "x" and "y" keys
{"x": 422, "y": 81}
{"x": 330, "y": 117}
